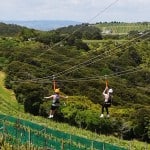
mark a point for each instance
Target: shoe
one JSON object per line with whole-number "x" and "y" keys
{"x": 101, "y": 116}
{"x": 108, "y": 116}
{"x": 50, "y": 116}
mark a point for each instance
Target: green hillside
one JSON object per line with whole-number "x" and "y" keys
{"x": 123, "y": 28}
{"x": 80, "y": 58}
{"x": 9, "y": 106}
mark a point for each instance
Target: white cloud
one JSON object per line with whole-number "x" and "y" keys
{"x": 79, "y": 10}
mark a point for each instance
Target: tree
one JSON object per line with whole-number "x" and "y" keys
{"x": 31, "y": 95}
{"x": 81, "y": 45}
{"x": 141, "y": 124}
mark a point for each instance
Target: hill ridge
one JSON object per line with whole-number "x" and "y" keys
{"x": 43, "y": 25}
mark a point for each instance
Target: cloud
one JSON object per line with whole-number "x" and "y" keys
{"x": 79, "y": 10}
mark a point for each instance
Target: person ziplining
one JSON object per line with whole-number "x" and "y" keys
{"x": 55, "y": 100}
{"x": 107, "y": 93}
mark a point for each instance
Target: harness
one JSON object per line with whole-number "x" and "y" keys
{"x": 109, "y": 100}
{"x": 56, "y": 101}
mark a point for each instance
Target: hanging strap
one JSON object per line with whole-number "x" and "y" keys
{"x": 106, "y": 80}
{"x": 54, "y": 83}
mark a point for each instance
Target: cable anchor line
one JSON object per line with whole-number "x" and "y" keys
{"x": 78, "y": 66}
{"x": 117, "y": 74}
{"x": 95, "y": 59}
{"x": 98, "y": 14}
{"x": 106, "y": 80}
{"x": 54, "y": 82}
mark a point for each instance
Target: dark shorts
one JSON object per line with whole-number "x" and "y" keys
{"x": 106, "y": 104}
{"x": 54, "y": 107}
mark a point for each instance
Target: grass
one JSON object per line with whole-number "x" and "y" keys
{"x": 123, "y": 28}
{"x": 7, "y": 97}
{"x": 9, "y": 106}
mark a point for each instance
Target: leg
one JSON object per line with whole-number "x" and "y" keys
{"x": 102, "y": 113}
{"x": 52, "y": 112}
{"x": 107, "y": 110}
{"x": 103, "y": 106}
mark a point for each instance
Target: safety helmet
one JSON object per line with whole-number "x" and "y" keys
{"x": 110, "y": 91}
{"x": 57, "y": 90}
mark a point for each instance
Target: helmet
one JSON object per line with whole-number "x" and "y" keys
{"x": 110, "y": 91}
{"x": 57, "y": 90}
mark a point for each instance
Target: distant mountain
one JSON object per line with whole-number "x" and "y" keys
{"x": 44, "y": 25}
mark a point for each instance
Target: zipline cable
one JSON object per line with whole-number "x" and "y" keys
{"x": 88, "y": 62}
{"x": 116, "y": 74}
{"x": 97, "y": 78}
{"x": 129, "y": 71}
{"x": 76, "y": 67}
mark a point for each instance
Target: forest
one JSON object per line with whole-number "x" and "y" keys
{"x": 80, "y": 58}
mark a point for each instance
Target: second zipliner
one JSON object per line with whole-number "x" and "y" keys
{"x": 107, "y": 93}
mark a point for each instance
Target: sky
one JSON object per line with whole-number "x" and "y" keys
{"x": 90, "y": 11}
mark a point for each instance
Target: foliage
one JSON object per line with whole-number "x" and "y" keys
{"x": 9, "y": 106}
{"x": 141, "y": 124}
{"x": 9, "y": 30}
{"x": 31, "y": 95}
{"x": 82, "y": 31}
{"x": 31, "y": 58}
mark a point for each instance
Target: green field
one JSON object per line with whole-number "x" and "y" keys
{"x": 122, "y": 28}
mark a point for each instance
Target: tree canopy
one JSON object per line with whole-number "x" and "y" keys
{"x": 80, "y": 57}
